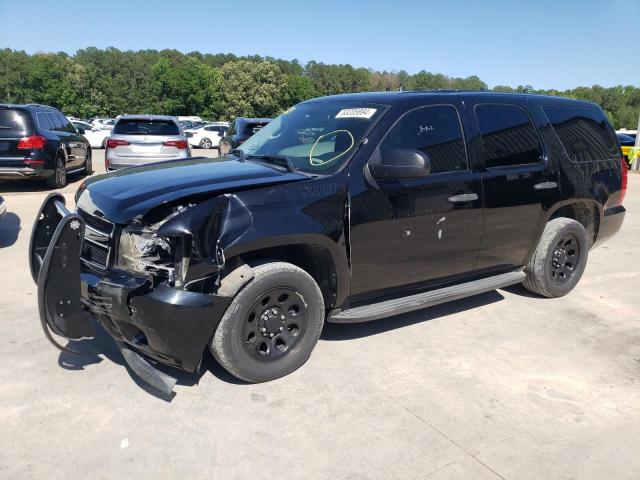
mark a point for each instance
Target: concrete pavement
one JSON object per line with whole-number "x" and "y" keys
{"x": 502, "y": 385}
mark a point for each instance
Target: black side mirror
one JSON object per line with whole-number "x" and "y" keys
{"x": 400, "y": 163}
{"x": 80, "y": 131}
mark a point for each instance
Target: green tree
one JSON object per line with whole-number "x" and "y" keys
{"x": 249, "y": 89}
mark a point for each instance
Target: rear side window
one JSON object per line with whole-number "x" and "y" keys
{"x": 14, "y": 123}
{"x": 435, "y": 131}
{"x": 146, "y": 127}
{"x": 584, "y": 133}
{"x": 55, "y": 121}
{"x": 508, "y": 136}
{"x": 65, "y": 124}
{"x": 252, "y": 128}
{"x": 44, "y": 122}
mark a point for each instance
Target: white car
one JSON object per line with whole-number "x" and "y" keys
{"x": 97, "y": 137}
{"x": 206, "y": 137}
{"x": 103, "y": 123}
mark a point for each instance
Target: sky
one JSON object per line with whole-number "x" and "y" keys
{"x": 547, "y": 44}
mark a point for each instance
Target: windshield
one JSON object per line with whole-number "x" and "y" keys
{"x": 316, "y": 137}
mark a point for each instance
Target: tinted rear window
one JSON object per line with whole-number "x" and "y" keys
{"x": 584, "y": 133}
{"x": 251, "y": 128}
{"x": 146, "y": 127}
{"x": 508, "y": 135}
{"x": 14, "y": 123}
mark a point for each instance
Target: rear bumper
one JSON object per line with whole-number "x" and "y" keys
{"x": 11, "y": 173}
{"x": 610, "y": 224}
{"x": 114, "y": 162}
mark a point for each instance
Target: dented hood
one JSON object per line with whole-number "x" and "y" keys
{"x": 125, "y": 194}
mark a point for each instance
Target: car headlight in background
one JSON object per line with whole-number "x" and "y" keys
{"x": 142, "y": 250}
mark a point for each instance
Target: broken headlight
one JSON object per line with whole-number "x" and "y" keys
{"x": 142, "y": 250}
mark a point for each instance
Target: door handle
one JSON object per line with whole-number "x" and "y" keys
{"x": 545, "y": 186}
{"x": 463, "y": 197}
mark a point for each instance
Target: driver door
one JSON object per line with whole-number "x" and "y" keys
{"x": 408, "y": 234}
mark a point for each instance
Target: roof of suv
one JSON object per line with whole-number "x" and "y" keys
{"x": 24, "y": 106}
{"x": 390, "y": 98}
{"x": 148, "y": 117}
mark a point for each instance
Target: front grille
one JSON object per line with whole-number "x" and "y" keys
{"x": 94, "y": 253}
{"x": 96, "y": 222}
{"x": 98, "y": 240}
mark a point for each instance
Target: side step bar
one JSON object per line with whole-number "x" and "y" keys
{"x": 427, "y": 299}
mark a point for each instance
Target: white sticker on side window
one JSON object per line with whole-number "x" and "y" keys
{"x": 356, "y": 113}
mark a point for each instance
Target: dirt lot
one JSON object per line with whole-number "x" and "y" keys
{"x": 502, "y": 385}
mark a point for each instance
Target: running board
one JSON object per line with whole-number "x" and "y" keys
{"x": 427, "y": 299}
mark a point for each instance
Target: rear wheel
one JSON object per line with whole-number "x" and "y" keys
{"x": 59, "y": 177}
{"x": 206, "y": 143}
{"x": 559, "y": 260}
{"x": 88, "y": 165}
{"x": 272, "y": 325}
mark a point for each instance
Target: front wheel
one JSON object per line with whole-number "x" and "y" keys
{"x": 559, "y": 259}
{"x": 271, "y": 326}
{"x": 206, "y": 143}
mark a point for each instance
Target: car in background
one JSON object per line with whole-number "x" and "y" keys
{"x": 103, "y": 123}
{"x": 240, "y": 130}
{"x": 37, "y": 141}
{"x": 97, "y": 137}
{"x": 3, "y": 207}
{"x": 142, "y": 139}
{"x": 208, "y": 136}
{"x": 627, "y": 142}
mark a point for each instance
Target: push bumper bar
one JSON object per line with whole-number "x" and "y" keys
{"x": 168, "y": 325}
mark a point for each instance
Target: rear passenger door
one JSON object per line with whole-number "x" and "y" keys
{"x": 519, "y": 182}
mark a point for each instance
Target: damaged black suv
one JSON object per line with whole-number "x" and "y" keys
{"x": 345, "y": 209}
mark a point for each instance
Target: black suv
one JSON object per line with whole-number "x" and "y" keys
{"x": 37, "y": 141}
{"x": 343, "y": 209}
{"x": 239, "y": 131}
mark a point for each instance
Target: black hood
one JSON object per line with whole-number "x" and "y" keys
{"x": 125, "y": 194}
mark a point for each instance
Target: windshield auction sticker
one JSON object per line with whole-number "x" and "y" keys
{"x": 356, "y": 113}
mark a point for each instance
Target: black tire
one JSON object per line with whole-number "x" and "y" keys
{"x": 559, "y": 259}
{"x": 250, "y": 324}
{"x": 88, "y": 164}
{"x": 59, "y": 177}
{"x": 206, "y": 143}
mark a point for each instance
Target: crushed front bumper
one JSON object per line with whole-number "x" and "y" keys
{"x": 148, "y": 321}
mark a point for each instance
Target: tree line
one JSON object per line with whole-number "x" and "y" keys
{"x": 109, "y": 82}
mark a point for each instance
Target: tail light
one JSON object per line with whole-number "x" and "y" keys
{"x": 29, "y": 143}
{"x": 624, "y": 174}
{"x": 114, "y": 142}
{"x": 179, "y": 144}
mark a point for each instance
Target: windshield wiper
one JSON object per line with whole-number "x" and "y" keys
{"x": 236, "y": 152}
{"x": 276, "y": 160}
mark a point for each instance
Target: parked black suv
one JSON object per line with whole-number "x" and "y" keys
{"x": 37, "y": 141}
{"x": 239, "y": 131}
{"x": 345, "y": 209}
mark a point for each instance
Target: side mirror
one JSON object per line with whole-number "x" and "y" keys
{"x": 80, "y": 131}
{"x": 400, "y": 163}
